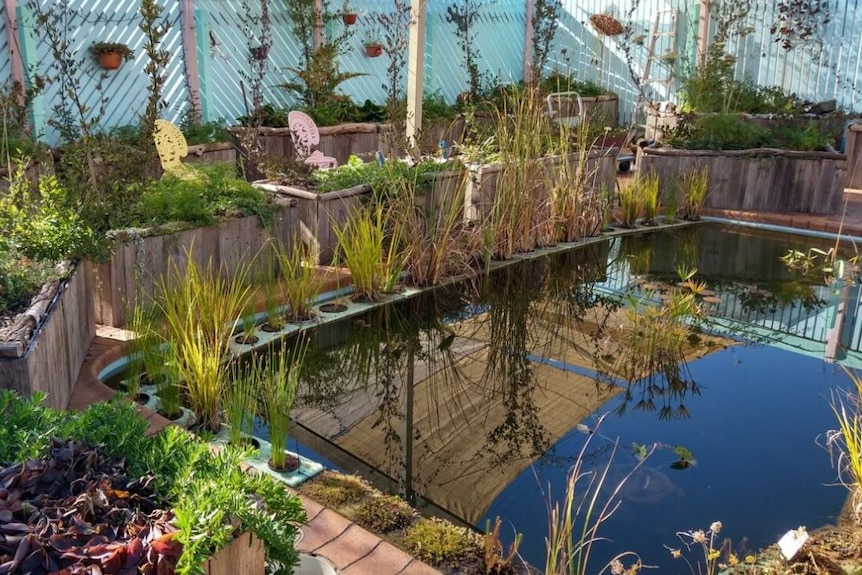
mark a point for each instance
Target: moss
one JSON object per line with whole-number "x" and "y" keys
{"x": 385, "y": 513}
{"x": 442, "y": 544}
{"x": 337, "y": 490}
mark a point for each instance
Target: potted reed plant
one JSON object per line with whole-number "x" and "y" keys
{"x": 239, "y": 400}
{"x": 110, "y": 55}
{"x": 300, "y": 281}
{"x": 280, "y": 379}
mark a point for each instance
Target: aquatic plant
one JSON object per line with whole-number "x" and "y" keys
{"x": 575, "y": 522}
{"x": 845, "y": 443}
{"x": 695, "y": 185}
{"x": 434, "y": 241}
{"x": 497, "y": 560}
{"x": 301, "y": 284}
{"x": 521, "y": 198}
{"x": 368, "y": 244}
{"x": 630, "y": 204}
{"x": 648, "y": 188}
{"x": 200, "y": 308}
{"x": 705, "y": 542}
{"x": 279, "y": 377}
{"x": 239, "y": 400}
{"x": 578, "y": 209}
{"x": 271, "y": 295}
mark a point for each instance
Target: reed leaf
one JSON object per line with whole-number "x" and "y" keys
{"x": 301, "y": 284}
{"x": 695, "y": 186}
{"x": 279, "y": 373}
{"x": 648, "y": 187}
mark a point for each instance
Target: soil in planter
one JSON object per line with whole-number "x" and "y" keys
{"x": 302, "y": 318}
{"x": 291, "y": 464}
{"x": 246, "y": 339}
{"x": 58, "y": 533}
{"x": 333, "y": 308}
{"x": 269, "y": 328}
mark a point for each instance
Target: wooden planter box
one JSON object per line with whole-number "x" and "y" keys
{"x": 53, "y": 357}
{"x": 340, "y": 141}
{"x": 604, "y": 108}
{"x": 215, "y": 152}
{"x": 137, "y": 264}
{"x": 320, "y": 214}
{"x": 245, "y": 555}
{"x": 768, "y": 180}
{"x": 484, "y": 179}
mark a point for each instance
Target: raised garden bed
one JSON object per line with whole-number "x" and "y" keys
{"x": 45, "y": 347}
{"x": 214, "y": 152}
{"x": 761, "y": 179}
{"x": 142, "y": 257}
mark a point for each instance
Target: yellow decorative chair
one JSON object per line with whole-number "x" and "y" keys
{"x": 171, "y": 146}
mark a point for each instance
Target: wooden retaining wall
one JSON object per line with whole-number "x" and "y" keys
{"x": 762, "y": 179}
{"x": 215, "y": 152}
{"x": 319, "y": 214}
{"x": 137, "y": 264}
{"x": 57, "y": 349}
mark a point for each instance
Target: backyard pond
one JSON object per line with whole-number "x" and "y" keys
{"x": 476, "y": 399}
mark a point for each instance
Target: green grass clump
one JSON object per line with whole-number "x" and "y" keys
{"x": 337, "y": 490}
{"x": 384, "y": 513}
{"x": 441, "y": 544}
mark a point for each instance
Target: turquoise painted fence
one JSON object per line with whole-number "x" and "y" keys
{"x": 223, "y": 33}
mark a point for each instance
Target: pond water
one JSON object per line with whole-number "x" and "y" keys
{"x": 477, "y": 398}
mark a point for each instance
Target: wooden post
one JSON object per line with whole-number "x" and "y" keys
{"x": 415, "y": 73}
{"x": 317, "y": 38}
{"x": 703, "y": 32}
{"x": 190, "y": 55}
{"x": 528, "y": 43}
{"x": 14, "y": 46}
{"x": 203, "y": 60}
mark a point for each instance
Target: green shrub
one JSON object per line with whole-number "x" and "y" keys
{"x": 213, "y": 191}
{"x": 20, "y": 277}
{"x": 735, "y": 132}
{"x": 197, "y": 132}
{"x": 385, "y": 513}
{"x": 442, "y": 544}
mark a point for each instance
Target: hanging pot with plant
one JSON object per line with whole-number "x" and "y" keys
{"x": 348, "y": 16}
{"x": 373, "y": 49}
{"x": 110, "y": 55}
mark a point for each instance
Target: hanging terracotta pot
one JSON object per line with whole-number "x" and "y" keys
{"x": 349, "y": 18}
{"x": 373, "y": 50}
{"x": 110, "y": 60}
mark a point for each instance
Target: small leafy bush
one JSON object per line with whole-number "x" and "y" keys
{"x": 385, "y": 513}
{"x": 42, "y": 221}
{"x": 442, "y": 544}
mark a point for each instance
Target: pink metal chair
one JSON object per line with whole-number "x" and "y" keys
{"x": 306, "y": 137}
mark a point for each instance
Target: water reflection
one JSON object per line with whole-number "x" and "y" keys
{"x": 456, "y": 394}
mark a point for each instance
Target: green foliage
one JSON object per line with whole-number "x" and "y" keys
{"x": 268, "y": 115}
{"x": 97, "y": 48}
{"x": 197, "y": 132}
{"x": 385, "y": 181}
{"x": 441, "y": 544}
{"x": 214, "y": 191}
{"x": 20, "y": 277}
{"x": 385, "y": 513}
{"x": 43, "y": 222}
{"x": 27, "y": 426}
{"x": 735, "y": 132}
{"x": 317, "y": 82}
{"x": 155, "y": 27}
